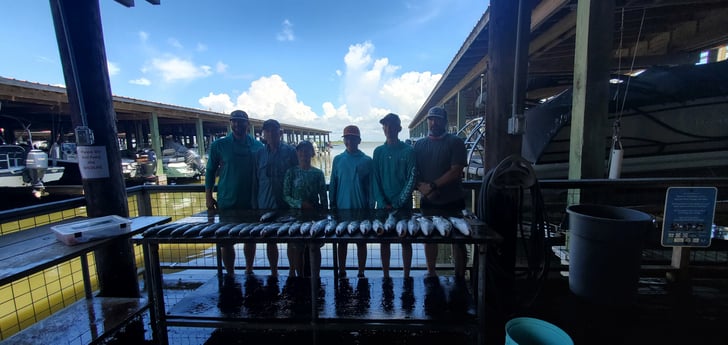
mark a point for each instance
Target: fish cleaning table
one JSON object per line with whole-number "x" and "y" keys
{"x": 321, "y": 303}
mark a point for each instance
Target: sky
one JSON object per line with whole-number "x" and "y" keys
{"x": 319, "y": 63}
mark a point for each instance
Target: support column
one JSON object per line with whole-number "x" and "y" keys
{"x": 594, "y": 35}
{"x": 157, "y": 146}
{"x": 200, "y": 138}
{"x": 80, "y": 40}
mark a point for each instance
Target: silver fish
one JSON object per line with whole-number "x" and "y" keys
{"x": 390, "y": 223}
{"x": 256, "y": 230}
{"x": 286, "y": 219}
{"x": 294, "y": 228}
{"x": 306, "y": 228}
{"x": 401, "y": 228}
{"x": 244, "y": 231}
{"x": 467, "y": 214}
{"x": 443, "y": 226}
{"x": 378, "y": 227}
{"x": 268, "y": 216}
{"x": 353, "y": 226}
{"x": 461, "y": 224}
{"x": 318, "y": 227}
{"x": 270, "y": 229}
{"x": 426, "y": 226}
{"x": 413, "y": 226}
{"x": 341, "y": 228}
{"x": 330, "y": 227}
{"x": 283, "y": 229}
{"x": 365, "y": 226}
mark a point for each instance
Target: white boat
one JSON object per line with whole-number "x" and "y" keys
{"x": 21, "y": 167}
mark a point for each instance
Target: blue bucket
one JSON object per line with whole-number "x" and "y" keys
{"x": 530, "y": 331}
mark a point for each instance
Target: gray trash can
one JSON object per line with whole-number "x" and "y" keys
{"x": 605, "y": 250}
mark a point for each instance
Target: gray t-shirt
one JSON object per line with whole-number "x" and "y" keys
{"x": 435, "y": 156}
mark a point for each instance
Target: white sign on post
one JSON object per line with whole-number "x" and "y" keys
{"x": 92, "y": 162}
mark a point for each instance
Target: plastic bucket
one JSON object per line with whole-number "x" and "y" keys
{"x": 605, "y": 250}
{"x": 530, "y": 331}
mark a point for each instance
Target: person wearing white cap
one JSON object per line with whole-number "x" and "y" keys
{"x": 440, "y": 158}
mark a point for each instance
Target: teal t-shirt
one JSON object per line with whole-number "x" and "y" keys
{"x": 394, "y": 175}
{"x": 234, "y": 161}
{"x": 350, "y": 185}
{"x": 305, "y": 185}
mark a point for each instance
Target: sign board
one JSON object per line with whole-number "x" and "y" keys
{"x": 92, "y": 162}
{"x": 689, "y": 213}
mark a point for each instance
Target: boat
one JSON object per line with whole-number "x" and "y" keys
{"x": 672, "y": 122}
{"x": 23, "y": 167}
{"x": 180, "y": 162}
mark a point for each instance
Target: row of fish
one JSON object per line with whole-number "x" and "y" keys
{"x": 410, "y": 227}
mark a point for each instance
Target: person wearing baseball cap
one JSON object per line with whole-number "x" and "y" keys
{"x": 349, "y": 188}
{"x": 393, "y": 179}
{"x": 232, "y": 158}
{"x": 271, "y": 164}
{"x": 440, "y": 159}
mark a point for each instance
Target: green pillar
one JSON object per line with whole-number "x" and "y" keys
{"x": 156, "y": 143}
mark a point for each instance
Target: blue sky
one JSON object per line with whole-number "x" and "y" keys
{"x": 317, "y": 63}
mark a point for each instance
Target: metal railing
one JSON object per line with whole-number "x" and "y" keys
{"x": 30, "y": 299}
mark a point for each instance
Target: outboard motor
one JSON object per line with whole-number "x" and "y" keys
{"x": 36, "y": 164}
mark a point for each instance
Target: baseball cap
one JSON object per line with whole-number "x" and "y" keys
{"x": 305, "y": 144}
{"x": 392, "y": 119}
{"x": 352, "y": 130}
{"x": 239, "y": 115}
{"x": 271, "y": 125}
{"x": 437, "y": 112}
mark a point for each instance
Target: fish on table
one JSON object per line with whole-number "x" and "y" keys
{"x": 341, "y": 228}
{"x": 426, "y": 225}
{"x": 461, "y": 225}
{"x": 443, "y": 226}
{"x": 413, "y": 226}
{"x": 365, "y": 226}
{"x": 378, "y": 227}
{"x": 352, "y": 227}
{"x": 401, "y": 228}
{"x": 268, "y": 216}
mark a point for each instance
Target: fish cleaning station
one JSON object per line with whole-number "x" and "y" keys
{"x": 596, "y": 193}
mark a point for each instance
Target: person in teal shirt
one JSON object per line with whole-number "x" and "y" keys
{"x": 350, "y": 189}
{"x": 233, "y": 159}
{"x": 394, "y": 179}
{"x": 304, "y": 187}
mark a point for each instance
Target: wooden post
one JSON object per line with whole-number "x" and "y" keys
{"x": 506, "y": 51}
{"x": 594, "y": 34}
{"x": 83, "y": 56}
{"x": 157, "y": 144}
{"x": 502, "y": 43}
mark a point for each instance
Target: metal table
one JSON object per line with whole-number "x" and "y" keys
{"x": 480, "y": 236}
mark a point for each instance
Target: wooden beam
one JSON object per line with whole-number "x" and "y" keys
{"x": 594, "y": 37}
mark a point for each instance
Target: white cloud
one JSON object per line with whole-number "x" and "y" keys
{"x": 201, "y": 47}
{"x": 113, "y": 68}
{"x": 220, "y": 103}
{"x": 286, "y": 33}
{"x": 140, "y": 81}
{"x": 174, "y": 69}
{"x": 143, "y": 36}
{"x": 174, "y": 43}
{"x": 370, "y": 88}
{"x": 221, "y": 67}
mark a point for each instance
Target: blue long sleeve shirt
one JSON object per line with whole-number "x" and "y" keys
{"x": 350, "y": 185}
